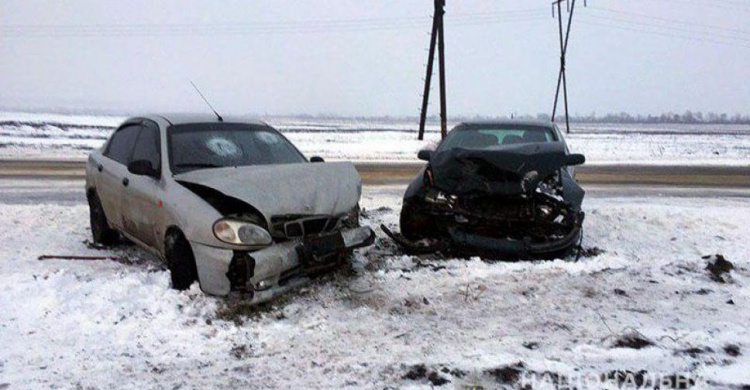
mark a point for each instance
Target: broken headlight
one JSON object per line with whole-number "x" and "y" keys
{"x": 551, "y": 185}
{"x": 545, "y": 211}
{"x": 528, "y": 178}
{"x": 241, "y": 233}
{"x": 439, "y": 198}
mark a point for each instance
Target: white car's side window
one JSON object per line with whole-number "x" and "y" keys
{"x": 121, "y": 145}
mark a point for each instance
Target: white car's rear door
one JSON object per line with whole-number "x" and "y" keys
{"x": 113, "y": 172}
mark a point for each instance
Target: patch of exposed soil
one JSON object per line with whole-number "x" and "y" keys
{"x": 420, "y": 372}
{"x": 732, "y": 350}
{"x": 633, "y": 341}
{"x": 591, "y": 252}
{"x": 508, "y": 374}
{"x": 718, "y": 267}
{"x": 694, "y": 352}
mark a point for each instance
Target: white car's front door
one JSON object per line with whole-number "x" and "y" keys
{"x": 140, "y": 203}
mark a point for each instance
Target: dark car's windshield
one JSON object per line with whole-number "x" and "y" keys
{"x": 213, "y": 145}
{"x": 487, "y": 136}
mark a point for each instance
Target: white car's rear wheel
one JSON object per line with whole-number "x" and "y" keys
{"x": 100, "y": 230}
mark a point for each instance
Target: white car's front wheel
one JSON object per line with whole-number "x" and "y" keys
{"x": 180, "y": 259}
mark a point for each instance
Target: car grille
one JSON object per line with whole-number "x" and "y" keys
{"x": 302, "y": 226}
{"x": 500, "y": 208}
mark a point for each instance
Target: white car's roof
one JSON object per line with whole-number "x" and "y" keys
{"x": 185, "y": 118}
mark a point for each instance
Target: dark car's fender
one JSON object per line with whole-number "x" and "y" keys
{"x": 416, "y": 185}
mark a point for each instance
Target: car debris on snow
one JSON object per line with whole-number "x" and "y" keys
{"x": 719, "y": 268}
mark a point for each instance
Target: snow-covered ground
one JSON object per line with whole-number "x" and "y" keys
{"x": 398, "y": 321}
{"x": 34, "y": 135}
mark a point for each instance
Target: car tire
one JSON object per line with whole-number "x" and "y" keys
{"x": 180, "y": 260}
{"x": 101, "y": 232}
{"x": 413, "y": 224}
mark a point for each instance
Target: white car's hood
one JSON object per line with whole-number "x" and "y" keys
{"x": 305, "y": 188}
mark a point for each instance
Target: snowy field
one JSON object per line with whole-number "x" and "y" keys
{"x": 393, "y": 321}
{"x": 73, "y": 136}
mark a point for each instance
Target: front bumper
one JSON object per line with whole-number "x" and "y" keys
{"x": 269, "y": 272}
{"x": 521, "y": 249}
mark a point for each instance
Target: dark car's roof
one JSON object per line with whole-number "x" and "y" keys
{"x": 505, "y": 122}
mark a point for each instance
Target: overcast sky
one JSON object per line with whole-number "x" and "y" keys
{"x": 359, "y": 57}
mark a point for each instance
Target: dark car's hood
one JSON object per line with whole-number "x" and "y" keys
{"x": 305, "y": 189}
{"x": 497, "y": 170}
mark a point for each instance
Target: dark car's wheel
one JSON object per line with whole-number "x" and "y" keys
{"x": 180, "y": 260}
{"x": 414, "y": 225}
{"x": 100, "y": 230}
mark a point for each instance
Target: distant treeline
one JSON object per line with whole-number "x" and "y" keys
{"x": 688, "y": 117}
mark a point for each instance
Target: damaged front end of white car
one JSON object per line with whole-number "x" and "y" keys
{"x": 294, "y": 222}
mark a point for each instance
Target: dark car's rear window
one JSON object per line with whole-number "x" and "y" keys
{"x": 215, "y": 145}
{"x": 487, "y": 136}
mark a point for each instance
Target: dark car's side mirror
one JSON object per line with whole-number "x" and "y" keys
{"x": 425, "y": 154}
{"x": 143, "y": 168}
{"x": 575, "y": 159}
{"x": 316, "y": 159}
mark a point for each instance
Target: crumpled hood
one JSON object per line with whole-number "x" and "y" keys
{"x": 497, "y": 170}
{"x": 305, "y": 188}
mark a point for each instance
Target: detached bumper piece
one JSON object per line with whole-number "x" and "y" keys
{"x": 272, "y": 271}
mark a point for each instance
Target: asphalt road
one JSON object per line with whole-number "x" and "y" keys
{"x": 404, "y": 172}
{"x": 18, "y": 191}
{"x": 62, "y": 181}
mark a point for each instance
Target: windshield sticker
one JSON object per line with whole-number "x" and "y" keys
{"x": 223, "y": 147}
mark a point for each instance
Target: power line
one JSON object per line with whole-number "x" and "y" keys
{"x": 682, "y": 22}
{"x": 285, "y": 27}
{"x": 722, "y": 4}
{"x": 663, "y": 34}
{"x": 671, "y": 28}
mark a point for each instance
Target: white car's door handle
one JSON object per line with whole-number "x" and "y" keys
{"x": 125, "y": 182}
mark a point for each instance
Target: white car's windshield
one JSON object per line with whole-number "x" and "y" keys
{"x": 487, "y": 136}
{"x": 215, "y": 145}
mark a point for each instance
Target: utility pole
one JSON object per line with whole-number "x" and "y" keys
{"x": 428, "y": 76}
{"x": 441, "y": 60}
{"x": 437, "y": 37}
{"x": 561, "y": 77}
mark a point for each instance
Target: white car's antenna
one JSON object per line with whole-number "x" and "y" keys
{"x": 206, "y": 100}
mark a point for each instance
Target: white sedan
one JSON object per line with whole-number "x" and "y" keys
{"x": 231, "y": 204}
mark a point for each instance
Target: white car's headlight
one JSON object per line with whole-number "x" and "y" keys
{"x": 241, "y": 233}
